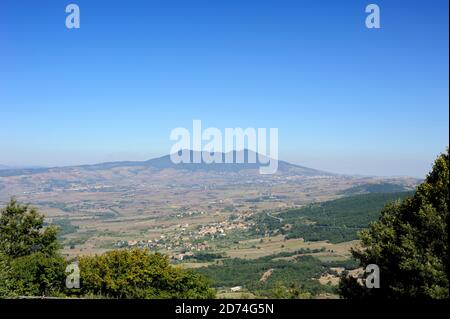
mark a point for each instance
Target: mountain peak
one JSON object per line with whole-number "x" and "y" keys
{"x": 165, "y": 162}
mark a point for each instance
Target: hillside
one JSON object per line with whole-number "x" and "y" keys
{"x": 375, "y": 188}
{"x": 337, "y": 220}
{"x": 165, "y": 162}
{"x": 109, "y": 202}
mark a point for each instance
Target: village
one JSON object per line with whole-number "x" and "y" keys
{"x": 187, "y": 239}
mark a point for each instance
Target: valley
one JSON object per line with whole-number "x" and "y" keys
{"x": 215, "y": 221}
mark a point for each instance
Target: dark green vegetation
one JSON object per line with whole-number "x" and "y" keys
{"x": 301, "y": 272}
{"x": 375, "y": 188}
{"x": 337, "y": 220}
{"x": 31, "y": 265}
{"x": 404, "y": 233}
{"x": 409, "y": 243}
{"x": 204, "y": 257}
{"x": 65, "y": 227}
{"x": 138, "y": 273}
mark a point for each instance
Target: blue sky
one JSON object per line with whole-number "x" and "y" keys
{"x": 344, "y": 98}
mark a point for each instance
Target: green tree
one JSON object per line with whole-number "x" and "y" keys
{"x": 22, "y": 231}
{"x": 37, "y": 274}
{"x": 30, "y": 263}
{"x": 409, "y": 243}
{"x": 293, "y": 292}
{"x": 5, "y": 281}
{"x": 138, "y": 273}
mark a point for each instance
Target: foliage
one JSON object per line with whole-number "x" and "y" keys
{"x": 336, "y": 220}
{"x": 350, "y": 288}
{"x": 204, "y": 257}
{"x": 287, "y": 273}
{"x": 374, "y": 188}
{"x": 30, "y": 265}
{"x": 5, "y": 276}
{"x": 29, "y": 258}
{"x": 65, "y": 227}
{"x": 139, "y": 274}
{"x": 37, "y": 274}
{"x": 292, "y": 292}
{"x": 409, "y": 243}
{"x": 22, "y": 231}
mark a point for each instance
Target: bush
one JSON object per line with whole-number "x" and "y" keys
{"x": 139, "y": 274}
{"x": 37, "y": 275}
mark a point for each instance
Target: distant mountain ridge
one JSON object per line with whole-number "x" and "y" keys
{"x": 18, "y": 168}
{"x": 165, "y": 162}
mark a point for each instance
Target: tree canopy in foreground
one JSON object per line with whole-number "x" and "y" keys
{"x": 409, "y": 243}
{"x": 138, "y": 273}
{"x": 31, "y": 265}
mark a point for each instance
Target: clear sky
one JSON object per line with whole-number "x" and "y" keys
{"x": 344, "y": 98}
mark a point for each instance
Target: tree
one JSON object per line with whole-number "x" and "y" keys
{"x": 22, "y": 231}
{"x": 293, "y": 292}
{"x": 4, "y": 276}
{"x": 30, "y": 263}
{"x": 409, "y": 243}
{"x": 138, "y": 273}
{"x": 37, "y": 274}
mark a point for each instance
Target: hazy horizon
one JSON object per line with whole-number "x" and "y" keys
{"x": 311, "y": 162}
{"x": 346, "y": 99}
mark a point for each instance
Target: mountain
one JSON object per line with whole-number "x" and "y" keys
{"x": 7, "y": 170}
{"x": 165, "y": 162}
{"x": 10, "y": 171}
{"x": 127, "y": 195}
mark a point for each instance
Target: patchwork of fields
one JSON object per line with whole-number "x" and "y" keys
{"x": 293, "y": 228}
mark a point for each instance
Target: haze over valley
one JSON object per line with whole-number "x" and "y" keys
{"x": 131, "y": 201}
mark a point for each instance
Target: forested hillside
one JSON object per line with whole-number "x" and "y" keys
{"x": 337, "y": 220}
